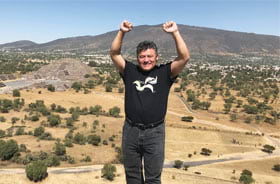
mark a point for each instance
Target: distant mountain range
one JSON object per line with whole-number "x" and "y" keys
{"x": 199, "y": 40}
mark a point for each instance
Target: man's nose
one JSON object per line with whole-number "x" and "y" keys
{"x": 146, "y": 58}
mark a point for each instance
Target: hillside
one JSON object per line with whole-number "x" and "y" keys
{"x": 17, "y": 44}
{"x": 199, "y": 39}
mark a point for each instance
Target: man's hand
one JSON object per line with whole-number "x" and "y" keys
{"x": 126, "y": 26}
{"x": 170, "y": 27}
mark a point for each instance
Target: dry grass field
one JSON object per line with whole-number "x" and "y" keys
{"x": 184, "y": 141}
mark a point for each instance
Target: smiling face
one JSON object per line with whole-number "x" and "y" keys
{"x": 147, "y": 59}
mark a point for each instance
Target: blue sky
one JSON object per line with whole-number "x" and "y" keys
{"x": 46, "y": 20}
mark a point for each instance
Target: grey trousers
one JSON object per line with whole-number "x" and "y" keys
{"x": 143, "y": 148}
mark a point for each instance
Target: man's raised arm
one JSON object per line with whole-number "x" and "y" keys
{"x": 183, "y": 53}
{"x": 115, "y": 51}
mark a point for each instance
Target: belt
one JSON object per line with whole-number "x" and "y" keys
{"x": 143, "y": 126}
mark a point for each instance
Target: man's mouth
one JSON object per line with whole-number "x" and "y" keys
{"x": 147, "y": 63}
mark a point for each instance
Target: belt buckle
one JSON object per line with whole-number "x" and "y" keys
{"x": 141, "y": 126}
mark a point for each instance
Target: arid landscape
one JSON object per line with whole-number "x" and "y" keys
{"x": 182, "y": 139}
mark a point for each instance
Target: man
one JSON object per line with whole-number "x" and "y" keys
{"x": 146, "y": 93}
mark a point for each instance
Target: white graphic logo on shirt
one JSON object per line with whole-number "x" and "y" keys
{"x": 149, "y": 82}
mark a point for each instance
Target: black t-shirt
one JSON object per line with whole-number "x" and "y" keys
{"x": 146, "y": 93}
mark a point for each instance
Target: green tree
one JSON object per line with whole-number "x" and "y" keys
{"x": 268, "y": 148}
{"x": 16, "y": 93}
{"x": 205, "y": 151}
{"x": 2, "y": 133}
{"x": 187, "y": 118}
{"x": 54, "y": 120}
{"x": 108, "y": 172}
{"x": 79, "y": 139}
{"x": 77, "y": 86}
{"x": 276, "y": 167}
{"x": 90, "y": 84}
{"x": 233, "y": 117}
{"x": 94, "y": 139}
{"x": 178, "y": 164}
{"x": 250, "y": 109}
{"x": 115, "y": 111}
{"x": 8, "y": 149}
{"x": 36, "y": 171}
{"x": 14, "y": 120}
{"x": 227, "y": 107}
{"x": 191, "y": 95}
{"x": 75, "y": 116}
{"x": 95, "y": 110}
{"x": 108, "y": 88}
{"x": 38, "y": 131}
{"x": 59, "y": 149}
{"x": 51, "y": 88}
{"x": 246, "y": 177}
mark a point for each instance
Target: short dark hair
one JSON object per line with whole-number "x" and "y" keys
{"x": 146, "y": 45}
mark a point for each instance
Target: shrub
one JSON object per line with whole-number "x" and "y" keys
{"x": 108, "y": 172}
{"x": 68, "y": 142}
{"x": 51, "y": 88}
{"x": 115, "y": 111}
{"x": 233, "y": 117}
{"x": 120, "y": 90}
{"x": 14, "y": 120}
{"x": 52, "y": 160}
{"x": 276, "y": 167}
{"x": 77, "y": 86}
{"x": 59, "y": 149}
{"x": 34, "y": 117}
{"x": 246, "y": 177}
{"x": 79, "y": 139}
{"x": 46, "y": 136}
{"x": 97, "y": 109}
{"x": 86, "y": 159}
{"x": 60, "y": 109}
{"x": 187, "y": 118}
{"x": 2, "y": 119}
{"x": 90, "y": 84}
{"x": 2, "y": 133}
{"x": 71, "y": 160}
{"x": 177, "y": 89}
{"x": 268, "y": 148}
{"x": 178, "y": 164}
{"x": 248, "y": 120}
{"x": 186, "y": 167}
{"x": 54, "y": 120}
{"x": 39, "y": 131}
{"x": 94, "y": 139}
{"x": 119, "y": 156}
{"x": 75, "y": 116}
{"x": 8, "y": 149}
{"x": 205, "y": 151}
{"x": 87, "y": 75}
{"x": 20, "y": 131}
{"x": 108, "y": 88}
{"x": 22, "y": 148}
{"x": 16, "y": 93}
{"x": 36, "y": 171}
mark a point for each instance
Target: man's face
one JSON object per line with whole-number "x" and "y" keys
{"x": 147, "y": 59}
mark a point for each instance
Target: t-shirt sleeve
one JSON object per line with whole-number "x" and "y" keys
{"x": 126, "y": 68}
{"x": 172, "y": 79}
